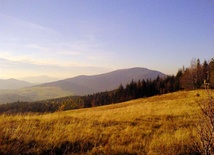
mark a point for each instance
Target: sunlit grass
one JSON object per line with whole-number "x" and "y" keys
{"x": 157, "y": 125}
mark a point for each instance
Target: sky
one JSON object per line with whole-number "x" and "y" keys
{"x": 66, "y": 38}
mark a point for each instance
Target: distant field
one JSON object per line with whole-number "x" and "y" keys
{"x": 32, "y": 94}
{"x": 156, "y": 125}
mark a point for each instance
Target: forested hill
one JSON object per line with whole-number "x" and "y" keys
{"x": 83, "y": 85}
{"x": 80, "y": 85}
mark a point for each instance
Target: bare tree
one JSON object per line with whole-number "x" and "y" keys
{"x": 205, "y": 127}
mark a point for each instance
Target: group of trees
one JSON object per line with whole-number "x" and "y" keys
{"x": 134, "y": 90}
{"x": 196, "y": 76}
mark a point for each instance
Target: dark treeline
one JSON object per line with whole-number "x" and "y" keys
{"x": 133, "y": 90}
{"x": 194, "y": 77}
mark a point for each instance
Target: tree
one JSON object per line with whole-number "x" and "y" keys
{"x": 211, "y": 71}
{"x": 199, "y": 75}
{"x": 178, "y": 79}
{"x": 205, "y": 71}
{"x": 187, "y": 80}
{"x": 205, "y": 127}
{"x": 119, "y": 94}
{"x": 192, "y": 77}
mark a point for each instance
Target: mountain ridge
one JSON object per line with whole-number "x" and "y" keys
{"x": 13, "y": 84}
{"x": 87, "y": 84}
{"x": 39, "y": 79}
{"x": 79, "y": 85}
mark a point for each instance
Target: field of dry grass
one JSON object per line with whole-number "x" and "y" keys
{"x": 157, "y": 125}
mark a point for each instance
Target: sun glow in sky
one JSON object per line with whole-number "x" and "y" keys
{"x": 71, "y": 37}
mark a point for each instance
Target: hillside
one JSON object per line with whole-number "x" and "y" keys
{"x": 10, "y": 97}
{"x": 31, "y": 94}
{"x": 39, "y": 79}
{"x": 80, "y": 85}
{"x": 83, "y": 85}
{"x": 13, "y": 84}
{"x": 157, "y": 125}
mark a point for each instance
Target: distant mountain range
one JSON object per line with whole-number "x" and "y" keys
{"x": 83, "y": 85}
{"x": 13, "y": 84}
{"x": 10, "y": 84}
{"x": 80, "y": 85}
{"x": 39, "y": 79}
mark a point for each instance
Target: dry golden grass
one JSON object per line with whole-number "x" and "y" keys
{"x": 156, "y": 125}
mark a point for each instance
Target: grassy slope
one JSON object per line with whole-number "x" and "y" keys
{"x": 156, "y": 125}
{"x": 40, "y": 93}
{"x": 32, "y": 94}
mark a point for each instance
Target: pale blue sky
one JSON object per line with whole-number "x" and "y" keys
{"x": 65, "y": 38}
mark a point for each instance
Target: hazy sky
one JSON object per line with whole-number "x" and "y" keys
{"x": 65, "y": 38}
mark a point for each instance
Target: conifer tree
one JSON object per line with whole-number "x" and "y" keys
{"x": 211, "y": 69}
{"x": 205, "y": 71}
{"x": 199, "y": 74}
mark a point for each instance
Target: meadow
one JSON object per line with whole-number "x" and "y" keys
{"x": 32, "y": 94}
{"x": 162, "y": 124}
